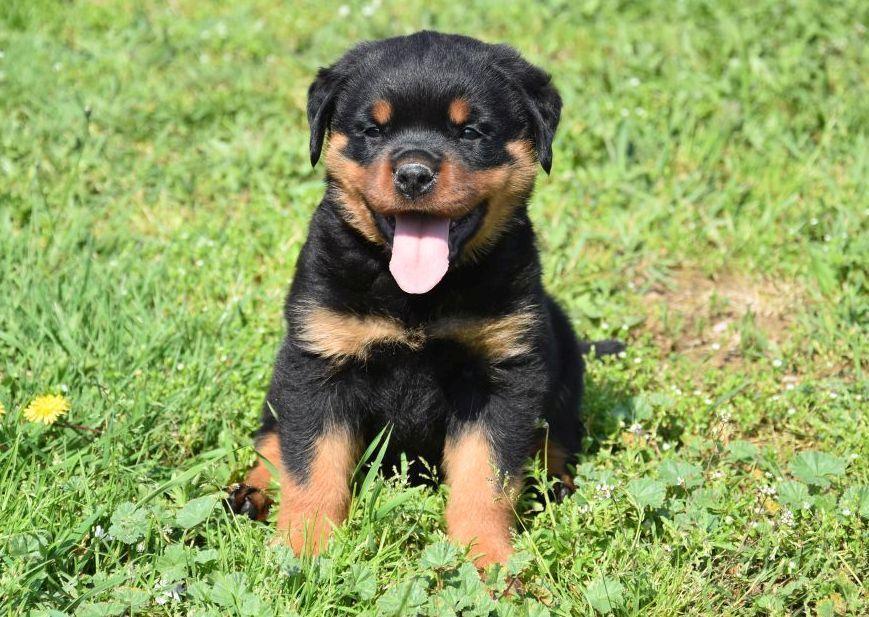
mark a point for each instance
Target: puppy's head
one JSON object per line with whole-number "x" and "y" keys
{"x": 434, "y": 141}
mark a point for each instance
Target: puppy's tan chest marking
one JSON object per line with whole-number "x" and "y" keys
{"x": 342, "y": 336}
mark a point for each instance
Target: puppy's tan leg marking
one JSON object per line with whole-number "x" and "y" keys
{"x": 555, "y": 458}
{"x": 251, "y": 498}
{"x": 311, "y": 506}
{"x": 480, "y": 508}
{"x": 260, "y": 475}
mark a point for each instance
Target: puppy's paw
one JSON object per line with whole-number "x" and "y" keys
{"x": 247, "y": 501}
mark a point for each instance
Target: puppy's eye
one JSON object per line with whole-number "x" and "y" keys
{"x": 471, "y": 134}
{"x": 373, "y": 131}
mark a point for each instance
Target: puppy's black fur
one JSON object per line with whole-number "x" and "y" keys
{"x": 487, "y": 349}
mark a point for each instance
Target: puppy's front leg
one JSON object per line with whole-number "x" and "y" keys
{"x": 480, "y": 510}
{"x": 315, "y": 496}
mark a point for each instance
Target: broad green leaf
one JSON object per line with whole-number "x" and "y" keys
{"x": 362, "y": 581}
{"x": 172, "y": 564}
{"x": 129, "y": 523}
{"x": 856, "y": 499}
{"x": 533, "y": 608}
{"x": 206, "y": 555}
{"x": 605, "y": 594}
{"x": 676, "y": 472}
{"x": 226, "y": 589}
{"x": 817, "y": 468}
{"x": 405, "y": 598}
{"x": 646, "y": 493}
{"x": 195, "y": 511}
{"x": 794, "y": 494}
{"x": 439, "y": 556}
{"x": 518, "y": 562}
{"x": 742, "y": 450}
{"x": 101, "y": 609}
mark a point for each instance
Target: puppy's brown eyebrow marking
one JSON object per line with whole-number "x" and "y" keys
{"x": 381, "y": 111}
{"x": 459, "y": 111}
{"x": 341, "y": 336}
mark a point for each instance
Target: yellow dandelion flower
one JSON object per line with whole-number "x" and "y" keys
{"x": 2, "y": 408}
{"x": 46, "y": 409}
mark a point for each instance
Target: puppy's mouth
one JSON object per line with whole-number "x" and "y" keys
{"x": 423, "y": 246}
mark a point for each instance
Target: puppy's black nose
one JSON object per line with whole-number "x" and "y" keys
{"x": 413, "y": 180}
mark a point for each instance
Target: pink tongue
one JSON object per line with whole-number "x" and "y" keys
{"x": 420, "y": 252}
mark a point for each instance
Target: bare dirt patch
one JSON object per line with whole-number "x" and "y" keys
{"x": 722, "y": 319}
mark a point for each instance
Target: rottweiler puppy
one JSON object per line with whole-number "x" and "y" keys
{"x": 417, "y": 302}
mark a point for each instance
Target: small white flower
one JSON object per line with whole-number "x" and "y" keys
{"x": 667, "y": 548}
{"x": 791, "y": 411}
{"x": 665, "y": 446}
{"x": 140, "y": 547}
{"x": 833, "y": 395}
{"x": 640, "y": 111}
{"x": 624, "y": 113}
{"x": 167, "y": 593}
{"x": 680, "y": 481}
{"x": 625, "y": 326}
{"x": 717, "y": 474}
{"x": 846, "y": 511}
{"x": 767, "y": 490}
{"x": 605, "y": 326}
{"x": 58, "y": 66}
{"x": 179, "y": 366}
{"x": 369, "y": 9}
{"x": 633, "y": 82}
{"x": 790, "y": 386}
{"x": 637, "y": 360}
{"x": 99, "y": 532}
{"x": 716, "y": 346}
{"x": 813, "y": 222}
{"x": 623, "y": 354}
{"x": 777, "y": 362}
{"x": 697, "y": 392}
{"x": 636, "y": 428}
{"x": 604, "y": 490}
{"x": 708, "y": 401}
{"x": 854, "y": 456}
{"x": 827, "y": 237}
{"x": 343, "y": 11}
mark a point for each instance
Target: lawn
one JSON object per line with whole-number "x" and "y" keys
{"x": 708, "y": 205}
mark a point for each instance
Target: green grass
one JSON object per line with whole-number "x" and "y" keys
{"x": 708, "y": 203}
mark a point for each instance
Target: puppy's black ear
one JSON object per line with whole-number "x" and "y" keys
{"x": 540, "y": 98}
{"x": 321, "y": 103}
